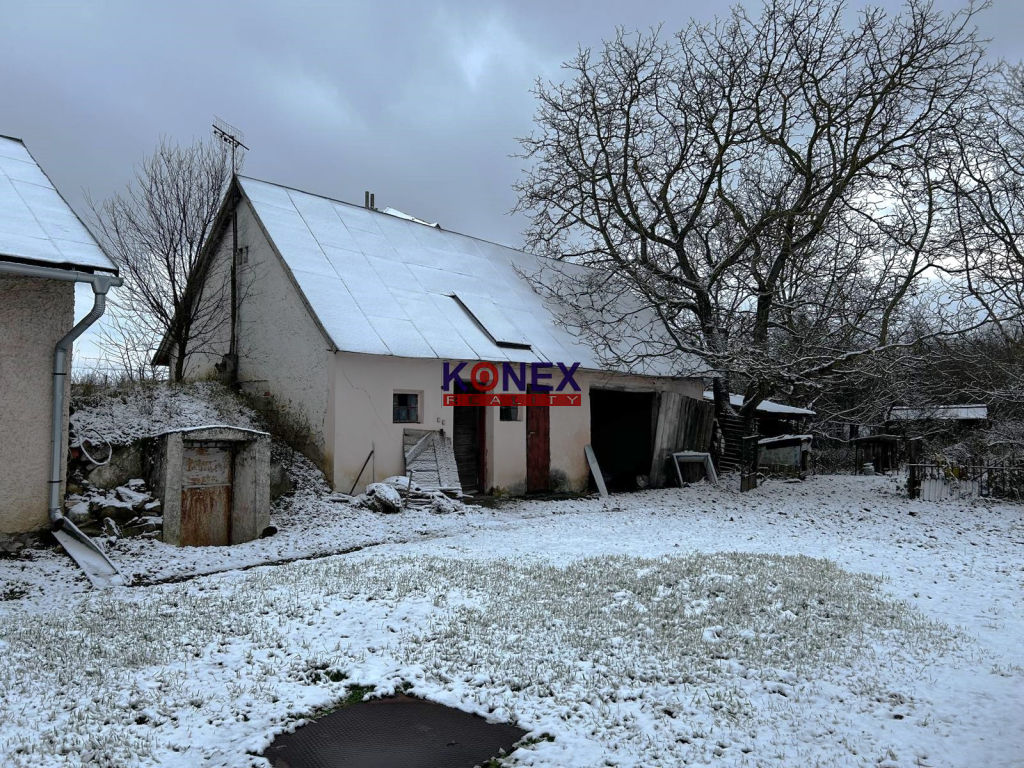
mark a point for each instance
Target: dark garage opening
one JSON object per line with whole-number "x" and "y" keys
{"x": 622, "y": 435}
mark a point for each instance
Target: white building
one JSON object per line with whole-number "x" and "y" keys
{"x": 44, "y": 250}
{"x": 346, "y": 316}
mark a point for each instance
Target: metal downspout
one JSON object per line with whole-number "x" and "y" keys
{"x": 83, "y": 550}
{"x": 100, "y": 286}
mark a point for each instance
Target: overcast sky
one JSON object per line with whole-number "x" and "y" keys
{"x": 419, "y": 102}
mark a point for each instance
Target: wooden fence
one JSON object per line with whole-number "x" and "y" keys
{"x": 936, "y": 482}
{"x": 684, "y": 424}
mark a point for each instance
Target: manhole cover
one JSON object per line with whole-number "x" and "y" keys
{"x": 398, "y": 732}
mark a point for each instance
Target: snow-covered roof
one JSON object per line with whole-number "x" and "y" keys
{"x": 389, "y": 284}
{"x": 765, "y": 406}
{"x": 207, "y": 427}
{"x": 36, "y": 223}
{"x": 939, "y": 412}
{"x": 786, "y": 439}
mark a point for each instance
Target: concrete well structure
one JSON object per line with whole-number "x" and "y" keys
{"x": 213, "y": 483}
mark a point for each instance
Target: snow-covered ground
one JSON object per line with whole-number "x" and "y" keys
{"x": 825, "y": 623}
{"x": 121, "y": 416}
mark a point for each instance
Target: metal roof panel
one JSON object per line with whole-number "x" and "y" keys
{"x": 396, "y": 279}
{"x": 36, "y": 223}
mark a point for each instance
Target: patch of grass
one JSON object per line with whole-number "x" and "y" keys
{"x": 12, "y": 593}
{"x": 499, "y": 762}
{"x": 707, "y": 636}
{"x": 284, "y": 422}
{"x": 354, "y": 694}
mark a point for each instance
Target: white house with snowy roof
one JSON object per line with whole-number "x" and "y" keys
{"x": 44, "y": 250}
{"x": 347, "y": 317}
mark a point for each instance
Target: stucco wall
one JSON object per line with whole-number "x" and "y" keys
{"x": 365, "y": 384}
{"x": 281, "y": 350}
{"x": 363, "y": 390}
{"x": 34, "y": 315}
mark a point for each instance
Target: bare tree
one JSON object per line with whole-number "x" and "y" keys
{"x": 155, "y": 231}
{"x": 127, "y": 344}
{"x": 986, "y": 184}
{"x": 764, "y": 192}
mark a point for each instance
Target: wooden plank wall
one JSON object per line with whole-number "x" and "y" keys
{"x": 430, "y": 459}
{"x": 684, "y": 424}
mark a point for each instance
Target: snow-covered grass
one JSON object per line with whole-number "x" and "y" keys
{"x": 825, "y": 623}
{"x": 311, "y": 521}
{"x": 668, "y": 659}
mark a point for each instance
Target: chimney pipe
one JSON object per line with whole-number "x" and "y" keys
{"x": 366, "y": 199}
{"x": 373, "y": 205}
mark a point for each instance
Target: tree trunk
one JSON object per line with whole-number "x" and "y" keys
{"x": 179, "y": 364}
{"x": 720, "y": 389}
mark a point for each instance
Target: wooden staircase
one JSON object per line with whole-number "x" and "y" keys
{"x": 733, "y": 432}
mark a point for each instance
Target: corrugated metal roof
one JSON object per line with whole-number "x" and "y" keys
{"x": 765, "y": 406}
{"x": 939, "y": 412}
{"x": 36, "y": 224}
{"x": 387, "y": 285}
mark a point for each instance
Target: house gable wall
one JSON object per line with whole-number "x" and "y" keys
{"x": 34, "y": 315}
{"x": 281, "y": 350}
{"x": 282, "y": 354}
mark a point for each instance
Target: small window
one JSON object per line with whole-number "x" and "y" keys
{"x": 508, "y": 413}
{"x": 406, "y": 408}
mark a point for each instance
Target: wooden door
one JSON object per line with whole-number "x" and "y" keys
{"x": 468, "y": 446}
{"x": 538, "y": 448}
{"x": 206, "y": 495}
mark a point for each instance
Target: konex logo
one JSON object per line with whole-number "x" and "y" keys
{"x": 507, "y": 384}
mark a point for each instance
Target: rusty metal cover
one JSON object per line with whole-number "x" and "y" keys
{"x": 398, "y": 732}
{"x": 206, "y": 495}
{"x": 206, "y": 464}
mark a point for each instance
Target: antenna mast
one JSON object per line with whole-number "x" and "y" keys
{"x": 231, "y": 136}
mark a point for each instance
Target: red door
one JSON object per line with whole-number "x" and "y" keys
{"x": 538, "y": 448}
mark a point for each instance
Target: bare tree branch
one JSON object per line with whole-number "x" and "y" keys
{"x": 770, "y": 197}
{"x": 155, "y": 231}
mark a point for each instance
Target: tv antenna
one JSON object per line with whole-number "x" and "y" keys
{"x": 230, "y": 135}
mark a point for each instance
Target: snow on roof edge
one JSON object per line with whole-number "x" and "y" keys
{"x": 939, "y": 412}
{"x": 209, "y": 426}
{"x": 765, "y": 406}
